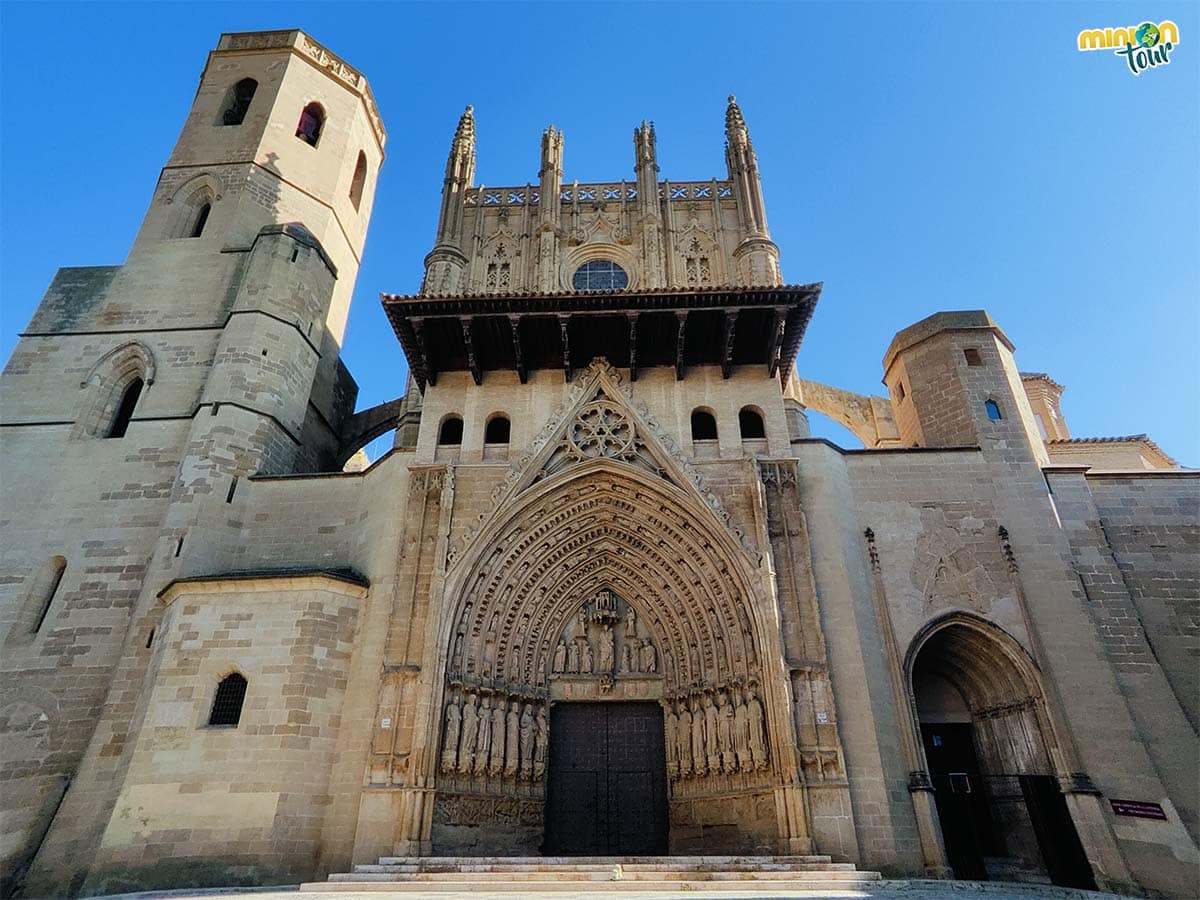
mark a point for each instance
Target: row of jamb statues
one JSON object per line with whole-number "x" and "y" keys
{"x": 704, "y": 737}
{"x": 495, "y": 739}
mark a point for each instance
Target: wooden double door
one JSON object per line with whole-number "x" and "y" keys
{"x": 607, "y": 788}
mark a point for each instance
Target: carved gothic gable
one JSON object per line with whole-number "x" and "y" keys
{"x": 497, "y": 269}
{"x": 699, "y": 257}
{"x": 601, "y": 421}
{"x": 946, "y": 570}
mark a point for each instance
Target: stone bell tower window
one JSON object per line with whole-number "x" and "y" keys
{"x": 237, "y": 101}
{"x": 312, "y": 120}
{"x": 600, "y": 275}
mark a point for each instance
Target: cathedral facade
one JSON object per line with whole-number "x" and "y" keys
{"x": 605, "y": 596}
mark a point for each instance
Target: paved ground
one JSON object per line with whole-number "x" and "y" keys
{"x": 886, "y": 890}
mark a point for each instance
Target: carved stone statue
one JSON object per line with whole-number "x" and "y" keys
{"x": 684, "y": 737}
{"x": 581, "y": 620}
{"x": 604, "y": 662}
{"x": 560, "y": 658}
{"x": 627, "y": 664}
{"x": 496, "y": 760}
{"x": 540, "y": 743}
{"x": 647, "y": 659}
{"x": 527, "y": 729}
{"x": 631, "y": 623}
{"x": 712, "y": 740}
{"x": 483, "y": 742}
{"x": 741, "y": 734}
{"x": 512, "y": 740}
{"x": 456, "y": 660}
{"x": 587, "y": 662}
{"x": 699, "y": 760}
{"x": 758, "y": 734}
{"x": 573, "y": 657}
{"x": 470, "y": 729}
{"x": 671, "y": 738}
{"x": 450, "y": 741}
{"x": 725, "y": 738}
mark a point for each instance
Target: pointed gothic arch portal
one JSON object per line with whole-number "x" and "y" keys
{"x": 606, "y": 576}
{"x": 991, "y": 749}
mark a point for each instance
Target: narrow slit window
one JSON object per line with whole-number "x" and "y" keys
{"x": 359, "y": 180}
{"x": 200, "y": 221}
{"x": 44, "y": 590}
{"x": 227, "y": 701}
{"x": 497, "y": 431}
{"x": 993, "y": 410}
{"x": 125, "y": 410}
{"x": 704, "y": 426}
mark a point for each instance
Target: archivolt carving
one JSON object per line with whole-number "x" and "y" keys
{"x": 604, "y": 530}
{"x": 601, "y": 411}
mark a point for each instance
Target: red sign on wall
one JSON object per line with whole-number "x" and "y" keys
{"x": 1138, "y": 809}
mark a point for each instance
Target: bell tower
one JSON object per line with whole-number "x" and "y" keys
{"x": 280, "y": 131}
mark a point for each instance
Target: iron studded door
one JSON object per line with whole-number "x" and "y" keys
{"x": 607, "y": 791}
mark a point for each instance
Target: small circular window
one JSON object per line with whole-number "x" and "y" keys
{"x": 600, "y": 275}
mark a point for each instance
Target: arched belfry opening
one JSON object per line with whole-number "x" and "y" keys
{"x": 603, "y": 673}
{"x": 991, "y": 753}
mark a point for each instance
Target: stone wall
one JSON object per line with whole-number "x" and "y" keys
{"x": 208, "y": 804}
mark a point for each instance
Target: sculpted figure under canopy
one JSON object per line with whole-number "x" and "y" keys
{"x": 483, "y": 742}
{"x": 527, "y": 731}
{"x": 605, "y": 653}
{"x": 684, "y": 737}
{"x": 470, "y": 727}
{"x": 496, "y": 762}
{"x": 670, "y": 738}
{"x": 560, "y": 658}
{"x": 512, "y": 740}
{"x": 450, "y": 741}
{"x": 699, "y": 760}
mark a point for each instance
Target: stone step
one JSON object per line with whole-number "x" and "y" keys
{"x": 451, "y": 861}
{"x": 511, "y": 868}
{"x": 737, "y": 888}
{"x": 605, "y": 876}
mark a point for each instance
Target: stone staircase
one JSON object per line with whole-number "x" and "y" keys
{"x": 529, "y": 875}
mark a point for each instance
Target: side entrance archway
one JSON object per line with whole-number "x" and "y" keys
{"x": 989, "y": 746}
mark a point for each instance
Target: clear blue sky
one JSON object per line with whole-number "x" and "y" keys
{"x": 915, "y": 157}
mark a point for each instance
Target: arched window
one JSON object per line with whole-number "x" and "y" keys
{"x": 750, "y": 422}
{"x": 227, "y": 701}
{"x": 704, "y": 426}
{"x": 993, "y": 410}
{"x": 312, "y": 120}
{"x": 497, "y": 430}
{"x": 237, "y": 101}
{"x": 359, "y": 179}
{"x": 129, "y": 399}
{"x": 43, "y": 586}
{"x": 451, "y": 432}
{"x": 600, "y": 275}
{"x": 200, "y": 220}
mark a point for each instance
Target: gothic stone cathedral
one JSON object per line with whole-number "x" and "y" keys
{"x": 605, "y": 596}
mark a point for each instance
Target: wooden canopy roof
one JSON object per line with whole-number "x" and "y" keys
{"x": 725, "y": 326}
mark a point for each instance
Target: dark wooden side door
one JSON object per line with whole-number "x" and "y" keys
{"x": 607, "y": 788}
